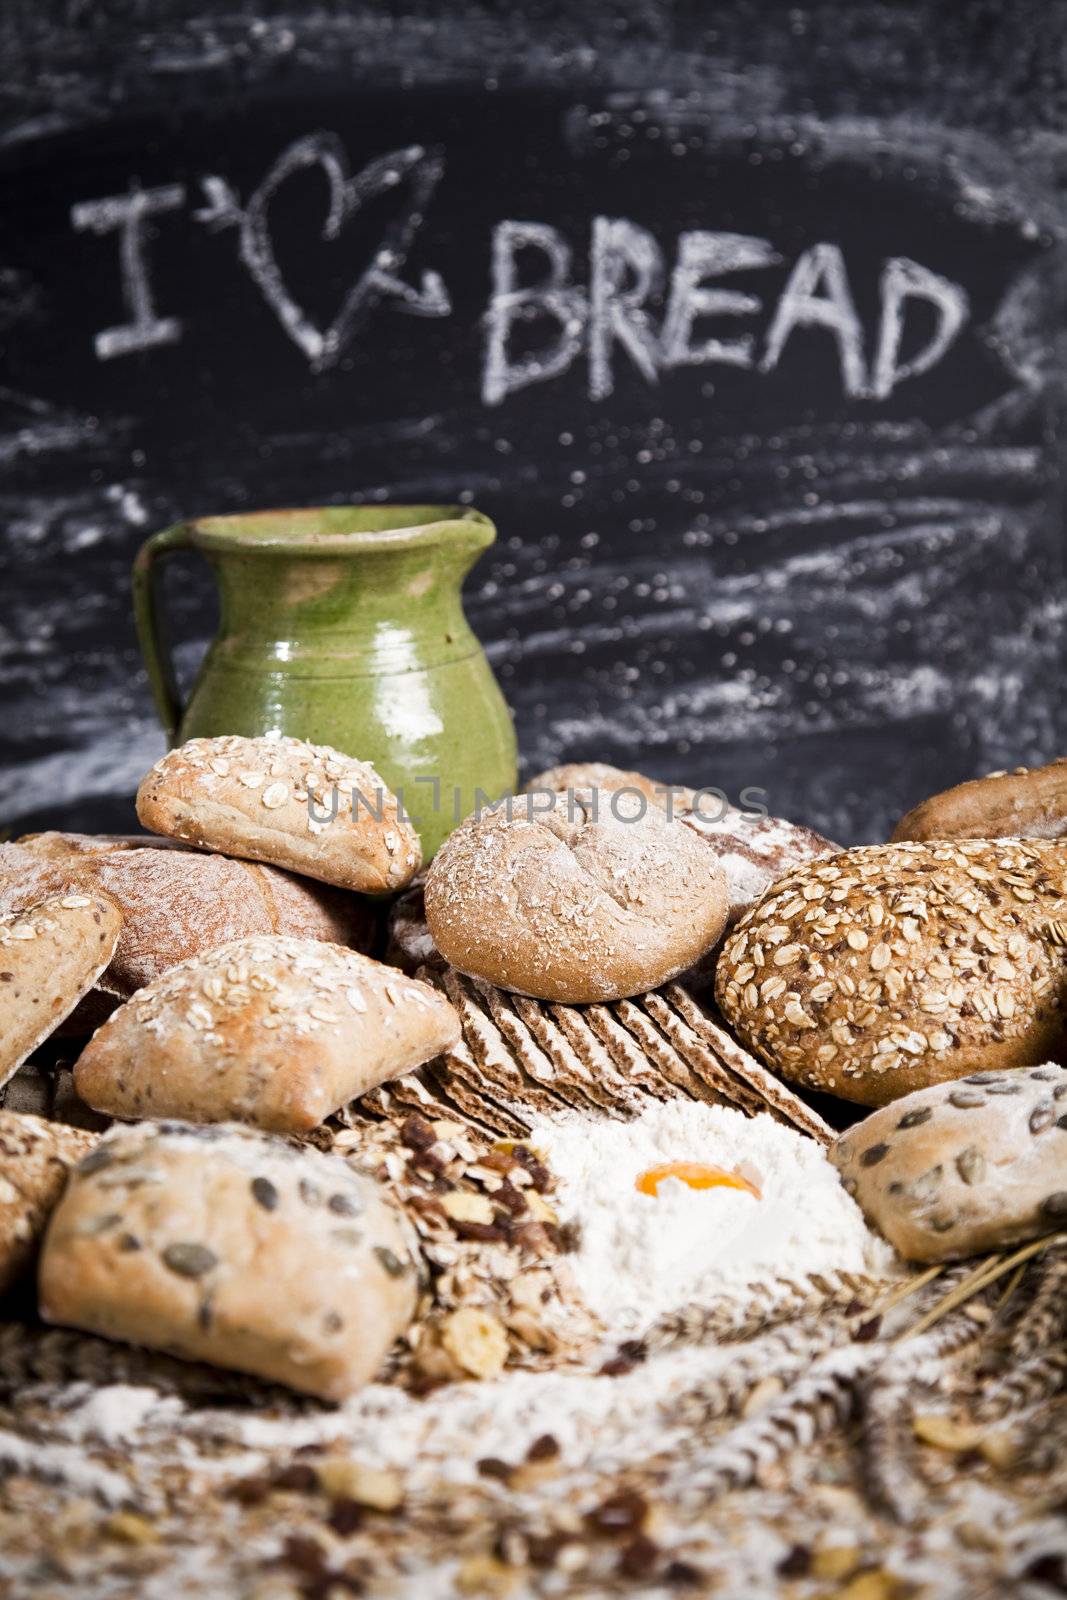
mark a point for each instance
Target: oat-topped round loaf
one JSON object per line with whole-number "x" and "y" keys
{"x": 1029, "y": 803}
{"x": 51, "y": 954}
{"x": 274, "y": 1031}
{"x": 226, "y": 1245}
{"x": 963, "y": 1167}
{"x": 549, "y": 902}
{"x": 287, "y": 802}
{"x": 891, "y": 967}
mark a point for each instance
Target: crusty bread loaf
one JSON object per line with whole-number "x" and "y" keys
{"x": 963, "y": 1167}
{"x": 754, "y": 850}
{"x": 51, "y": 954}
{"x": 250, "y": 797}
{"x": 409, "y": 942}
{"x": 891, "y": 967}
{"x": 551, "y": 903}
{"x": 228, "y": 1246}
{"x": 581, "y": 776}
{"x": 1029, "y": 803}
{"x": 58, "y": 845}
{"x": 274, "y": 1031}
{"x": 34, "y": 1159}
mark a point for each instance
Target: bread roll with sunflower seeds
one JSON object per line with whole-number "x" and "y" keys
{"x": 575, "y": 900}
{"x": 229, "y": 1246}
{"x": 963, "y": 1167}
{"x": 1029, "y": 803}
{"x": 51, "y": 954}
{"x": 891, "y": 967}
{"x": 273, "y": 1031}
{"x": 250, "y": 797}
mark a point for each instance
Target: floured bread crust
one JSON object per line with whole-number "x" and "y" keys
{"x": 572, "y": 902}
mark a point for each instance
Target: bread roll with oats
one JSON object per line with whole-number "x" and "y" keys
{"x": 552, "y": 903}
{"x": 225, "y": 1245}
{"x": 249, "y": 797}
{"x": 891, "y": 967}
{"x": 273, "y": 1031}
{"x": 35, "y": 1157}
{"x": 963, "y": 1167}
{"x": 1029, "y": 803}
{"x": 51, "y": 954}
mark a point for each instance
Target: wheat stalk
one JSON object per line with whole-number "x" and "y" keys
{"x": 729, "y": 1319}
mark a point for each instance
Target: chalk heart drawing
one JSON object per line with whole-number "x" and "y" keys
{"x": 419, "y": 168}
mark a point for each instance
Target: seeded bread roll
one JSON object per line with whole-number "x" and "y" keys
{"x": 227, "y": 1246}
{"x": 51, "y": 954}
{"x": 888, "y": 968}
{"x": 277, "y": 1032}
{"x": 250, "y": 797}
{"x": 963, "y": 1167}
{"x": 579, "y": 776}
{"x": 574, "y": 910}
{"x": 35, "y": 1156}
{"x": 1029, "y": 803}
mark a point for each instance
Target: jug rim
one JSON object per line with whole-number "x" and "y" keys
{"x": 333, "y": 529}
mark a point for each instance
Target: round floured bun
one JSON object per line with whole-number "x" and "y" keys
{"x": 250, "y": 797}
{"x": 1029, "y": 803}
{"x": 577, "y": 901}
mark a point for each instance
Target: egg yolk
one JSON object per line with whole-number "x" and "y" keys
{"x": 694, "y": 1173}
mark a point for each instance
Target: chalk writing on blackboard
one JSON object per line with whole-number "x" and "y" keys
{"x": 125, "y": 214}
{"x": 610, "y": 310}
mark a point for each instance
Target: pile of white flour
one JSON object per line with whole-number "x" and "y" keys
{"x": 642, "y": 1255}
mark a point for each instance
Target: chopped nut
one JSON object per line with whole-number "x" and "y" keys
{"x": 476, "y": 1341}
{"x": 464, "y": 1206}
{"x": 835, "y": 1561}
{"x": 486, "y": 1575}
{"x": 937, "y": 1429}
{"x": 130, "y": 1528}
{"x": 345, "y": 1479}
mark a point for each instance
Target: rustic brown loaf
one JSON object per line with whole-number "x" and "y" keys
{"x": 963, "y": 1167}
{"x": 409, "y": 942}
{"x": 891, "y": 967}
{"x": 755, "y": 850}
{"x": 1029, "y": 803}
{"x": 35, "y": 1156}
{"x": 228, "y": 1246}
{"x": 51, "y": 954}
{"x": 555, "y": 905}
{"x": 249, "y": 797}
{"x": 581, "y": 776}
{"x": 274, "y": 1031}
{"x": 176, "y": 903}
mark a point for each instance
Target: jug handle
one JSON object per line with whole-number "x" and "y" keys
{"x": 148, "y": 615}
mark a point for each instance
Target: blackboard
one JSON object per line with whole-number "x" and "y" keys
{"x": 745, "y": 324}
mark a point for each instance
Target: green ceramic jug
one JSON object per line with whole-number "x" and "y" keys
{"x": 344, "y": 625}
